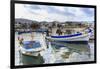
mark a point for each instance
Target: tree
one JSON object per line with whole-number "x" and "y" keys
{"x": 35, "y": 26}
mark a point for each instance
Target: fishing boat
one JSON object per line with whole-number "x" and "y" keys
{"x": 31, "y": 48}
{"x": 30, "y": 53}
{"x": 77, "y": 37}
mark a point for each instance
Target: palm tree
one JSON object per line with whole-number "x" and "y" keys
{"x": 35, "y": 26}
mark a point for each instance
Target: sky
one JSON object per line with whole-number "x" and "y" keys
{"x": 53, "y": 13}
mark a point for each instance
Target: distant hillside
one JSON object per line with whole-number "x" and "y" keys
{"x": 22, "y": 20}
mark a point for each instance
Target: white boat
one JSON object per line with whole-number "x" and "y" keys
{"x": 31, "y": 48}
{"x": 83, "y": 36}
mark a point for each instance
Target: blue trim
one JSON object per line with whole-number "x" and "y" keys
{"x": 67, "y": 35}
{"x": 24, "y": 32}
{"x": 90, "y": 30}
{"x": 37, "y": 30}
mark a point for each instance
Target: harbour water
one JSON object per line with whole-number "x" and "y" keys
{"x": 57, "y": 52}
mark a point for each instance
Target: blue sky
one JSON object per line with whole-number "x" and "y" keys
{"x": 53, "y": 13}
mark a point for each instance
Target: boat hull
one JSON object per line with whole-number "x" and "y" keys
{"x": 30, "y": 53}
{"x": 81, "y": 38}
{"x": 32, "y": 48}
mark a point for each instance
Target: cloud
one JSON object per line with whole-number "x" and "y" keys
{"x": 53, "y": 13}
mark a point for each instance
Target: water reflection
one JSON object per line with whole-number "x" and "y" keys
{"x": 71, "y": 46}
{"x": 70, "y": 52}
{"x": 27, "y": 60}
